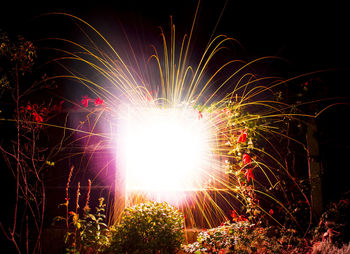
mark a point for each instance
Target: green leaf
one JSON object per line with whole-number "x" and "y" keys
{"x": 63, "y": 204}
{"x": 91, "y": 216}
{"x": 59, "y": 218}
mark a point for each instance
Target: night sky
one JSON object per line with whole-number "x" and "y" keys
{"x": 309, "y": 37}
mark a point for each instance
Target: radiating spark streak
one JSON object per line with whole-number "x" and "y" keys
{"x": 179, "y": 85}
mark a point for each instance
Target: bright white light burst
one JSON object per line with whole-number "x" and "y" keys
{"x": 166, "y": 149}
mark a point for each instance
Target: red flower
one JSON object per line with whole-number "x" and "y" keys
{"x": 344, "y": 202}
{"x": 57, "y": 107}
{"x": 249, "y": 174}
{"x": 246, "y": 159}
{"x": 36, "y": 112}
{"x": 242, "y": 218}
{"x": 234, "y": 215}
{"x": 85, "y": 101}
{"x": 243, "y": 137}
{"x": 227, "y": 111}
{"x": 37, "y": 117}
{"x": 44, "y": 111}
{"x": 71, "y": 213}
{"x": 99, "y": 101}
{"x": 200, "y": 115}
{"x": 151, "y": 94}
{"x": 330, "y": 233}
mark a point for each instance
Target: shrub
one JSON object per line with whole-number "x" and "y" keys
{"x": 244, "y": 237}
{"x": 149, "y": 227}
{"x": 239, "y": 237}
{"x": 334, "y": 224}
{"x": 327, "y": 247}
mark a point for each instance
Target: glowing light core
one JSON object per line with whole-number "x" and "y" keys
{"x": 166, "y": 150}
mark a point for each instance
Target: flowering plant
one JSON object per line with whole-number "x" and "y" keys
{"x": 88, "y": 233}
{"x": 245, "y": 237}
{"x": 238, "y": 237}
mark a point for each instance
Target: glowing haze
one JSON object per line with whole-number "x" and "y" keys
{"x": 165, "y": 149}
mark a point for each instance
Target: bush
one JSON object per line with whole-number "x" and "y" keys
{"x": 335, "y": 223}
{"x": 244, "y": 237}
{"x": 239, "y": 237}
{"x": 148, "y": 228}
{"x": 327, "y": 247}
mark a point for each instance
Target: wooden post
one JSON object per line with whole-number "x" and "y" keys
{"x": 314, "y": 165}
{"x": 119, "y": 195}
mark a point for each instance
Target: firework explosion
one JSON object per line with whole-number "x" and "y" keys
{"x": 185, "y": 134}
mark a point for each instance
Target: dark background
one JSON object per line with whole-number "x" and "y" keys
{"x": 310, "y": 37}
